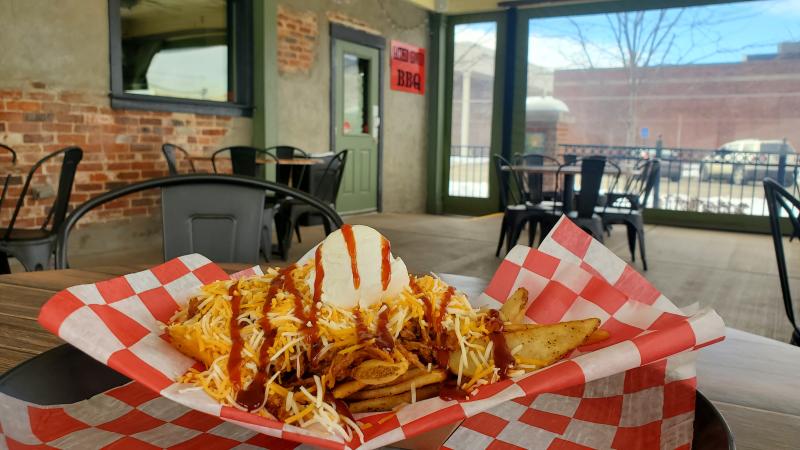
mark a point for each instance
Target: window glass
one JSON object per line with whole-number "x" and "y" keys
{"x": 689, "y": 79}
{"x": 176, "y": 49}
{"x": 356, "y": 95}
{"x": 473, "y": 94}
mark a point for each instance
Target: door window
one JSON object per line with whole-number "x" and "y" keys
{"x": 355, "y": 74}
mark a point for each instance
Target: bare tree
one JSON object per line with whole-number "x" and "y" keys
{"x": 647, "y": 40}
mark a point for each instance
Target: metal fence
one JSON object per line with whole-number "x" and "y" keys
{"x": 703, "y": 180}
{"x": 469, "y": 171}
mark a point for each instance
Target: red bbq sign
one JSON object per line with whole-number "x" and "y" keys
{"x": 408, "y": 68}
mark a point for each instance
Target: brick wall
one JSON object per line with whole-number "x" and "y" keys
{"x": 297, "y": 37}
{"x": 120, "y": 147}
{"x": 691, "y": 106}
{"x": 298, "y": 32}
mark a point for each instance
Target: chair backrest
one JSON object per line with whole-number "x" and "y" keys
{"x": 592, "y": 169}
{"x": 778, "y": 200}
{"x": 326, "y": 179}
{"x": 170, "y": 154}
{"x": 8, "y": 176}
{"x": 221, "y": 222}
{"x": 69, "y": 165}
{"x": 535, "y": 180}
{"x": 284, "y": 173}
{"x": 204, "y": 213}
{"x": 512, "y": 191}
{"x": 244, "y": 160}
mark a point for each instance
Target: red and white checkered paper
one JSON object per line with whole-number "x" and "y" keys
{"x": 635, "y": 390}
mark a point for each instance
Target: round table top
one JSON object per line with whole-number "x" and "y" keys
{"x": 752, "y": 380}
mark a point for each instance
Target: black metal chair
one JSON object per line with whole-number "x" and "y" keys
{"x": 170, "y": 154}
{"x": 290, "y": 174}
{"x": 627, "y": 208}
{"x": 325, "y": 180}
{"x": 535, "y": 181}
{"x": 244, "y": 160}
{"x": 517, "y": 209}
{"x": 779, "y": 200}
{"x": 592, "y": 171}
{"x": 219, "y": 216}
{"x": 9, "y": 175}
{"x": 293, "y": 175}
{"x": 34, "y": 247}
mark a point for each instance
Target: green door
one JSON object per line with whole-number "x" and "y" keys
{"x": 356, "y": 123}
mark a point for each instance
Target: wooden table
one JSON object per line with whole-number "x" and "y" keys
{"x": 752, "y": 380}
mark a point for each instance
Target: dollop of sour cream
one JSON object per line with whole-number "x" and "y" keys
{"x": 338, "y": 286}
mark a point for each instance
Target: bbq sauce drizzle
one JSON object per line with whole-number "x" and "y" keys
{"x": 253, "y": 397}
{"x": 350, "y": 241}
{"x": 503, "y": 359}
{"x": 386, "y": 267}
{"x": 235, "y": 358}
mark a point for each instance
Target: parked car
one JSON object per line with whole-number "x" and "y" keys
{"x": 671, "y": 166}
{"x": 748, "y": 160}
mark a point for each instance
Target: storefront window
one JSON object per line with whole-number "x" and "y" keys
{"x": 181, "y": 50}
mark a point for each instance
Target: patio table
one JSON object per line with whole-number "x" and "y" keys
{"x": 569, "y": 173}
{"x": 752, "y": 380}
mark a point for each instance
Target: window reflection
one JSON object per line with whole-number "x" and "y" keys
{"x": 176, "y": 49}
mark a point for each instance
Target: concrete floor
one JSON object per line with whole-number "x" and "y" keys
{"x": 734, "y": 273}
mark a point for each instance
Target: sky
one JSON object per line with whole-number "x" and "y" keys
{"x": 702, "y": 34}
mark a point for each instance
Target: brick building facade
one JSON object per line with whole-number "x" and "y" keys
{"x": 690, "y": 106}
{"x": 55, "y": 85}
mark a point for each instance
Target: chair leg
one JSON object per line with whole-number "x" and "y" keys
{"x": 514, "y": 230}
{"x": 531, "y": 231}
{"x": 544, "y": 229}
{"x": 597, "y": 230}
{"x": 297, "y": 231}
{"x": 631, "y": 229}
{"x": 640, "y": 233}
{"x": 4, "y": 267}
{"x": 502, "y": 236}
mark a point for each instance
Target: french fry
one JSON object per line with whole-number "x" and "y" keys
{"x": 513, "y": 310}
{"x": 411, "y": 373}
{"x": 347, "y": 388}
{"x": 387, "y": 403}
{"x": 373, "y": 371}
{"x": 549, "y": 343}
{"x": 434, "y": 376}
{"x": 598, "y": 336}
{"x": 519, "y": 326}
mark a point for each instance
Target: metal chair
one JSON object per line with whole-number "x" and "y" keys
{"x": 592, "y": 170}
{"x": 290, "y": 174}
{"x": 325, "y": 180}
{"x": 535, "y": 181}
{"x": 517, "y": 210}
{"x": 34, "y": 247}
{"x": 244, "y": 160}
{"x": 779, "y": 200}
{"x": 8, "y": 175}
{"x": 220, "y": 216}
{"x": 636, "y": 195}
{"x": 170, "y": 154}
